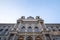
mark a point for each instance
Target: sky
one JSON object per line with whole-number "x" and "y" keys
{"x": 11, "y": 10}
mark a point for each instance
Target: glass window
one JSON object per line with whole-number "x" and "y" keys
{"x": 54, "y": 30}
{"x": 36, "y": 29}
{"x": 29, "y": 29}
{"x": 6, "y": 30}
{"x": 1, "y": 30}
{"x": 53, "y": 39}
{"x": 23, "y": 29}
{"x": 57, "y": 27}
{"x": 51, "y": 26}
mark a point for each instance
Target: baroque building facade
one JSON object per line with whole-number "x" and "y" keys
{"x": 30, "y": 28}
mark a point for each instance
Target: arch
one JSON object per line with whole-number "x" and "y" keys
{"x": 36, "y": 29}
{"x": 11, "y": 36}
{"x": 29, "y": 38}
{"x": 20, "y": 38}
{"x": 23, "y": 29}
{"x": 38, "y": 38}
{"x": 29, "y": 29}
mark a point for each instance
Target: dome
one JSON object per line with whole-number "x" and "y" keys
{"x": 30, "y": 17}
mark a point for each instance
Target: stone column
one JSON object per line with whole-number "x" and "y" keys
{"x": 33, "y": 27}
{"x": 19, "y": 26}
{"x": 51, "y": 37}
{"x": 2, "y": 38}
{"x": 7, "y": 37}
{"x": 40, "y": 26}
{"x": 26, "y": 27}
{"x": 25, "y": 37}
{"x": 33, "y": 37}
{"x": 14, "y": 38}
{"x": 44, "y": 37}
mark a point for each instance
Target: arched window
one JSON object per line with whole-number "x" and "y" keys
{"x": 29, "y": 29}
{"x": 38, "y": 38}
{"x": 54, "y": 30}
{"x": 23, "y": 29}
{"x": 29, "y": 38}
{"x": 36, "y": 29}
{"x": 20, "y": 38}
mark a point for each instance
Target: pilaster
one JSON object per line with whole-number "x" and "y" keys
{"x": 33, "y": 37}
{"x": 44, "y": 37}
{"x": 51, "y": 37}
{"x": 2, "y": 38}
{"x": 14, "y": 38}
{"x": 25, "y": 37}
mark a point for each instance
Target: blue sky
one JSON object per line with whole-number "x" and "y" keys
{"x": 11, "y": 10}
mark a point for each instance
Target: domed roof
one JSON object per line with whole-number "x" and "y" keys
{"x": 30, "y": 17}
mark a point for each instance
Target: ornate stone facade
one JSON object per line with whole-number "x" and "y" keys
{"x": 30, "y": 28}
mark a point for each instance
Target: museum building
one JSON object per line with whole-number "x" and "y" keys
{"x": 30, "y": 28}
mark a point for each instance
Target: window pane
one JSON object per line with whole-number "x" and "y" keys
{"x": 23, "y": 29}
{"x": 29, "y": 29}
{"x": 36, "y": 29}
